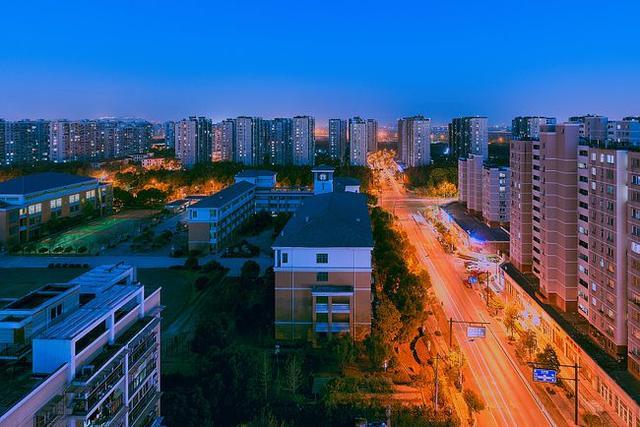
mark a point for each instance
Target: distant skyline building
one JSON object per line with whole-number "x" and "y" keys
{"x": 3, "y": 140}
{"x": 26, "y": 142}
{"x": 469, "y": 135}
{"x": 524, "y": 128}
{"x": 227, "y": 140}
{"x": 414, "y": 141}
{"x": 280, "y": 141}
{"x": 372, "y": 135}
{"x": 358, "y": 141}
{"x": 194, "y": 139}
{"x": 170, "y": 134}
{"x": 591, "y": 127}
{"x": 338, "y": 129}
{"x": 303, "y": 140}
{"x": 247, "y": 140}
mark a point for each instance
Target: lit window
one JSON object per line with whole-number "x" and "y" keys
{"x": 34, "y": 209}
{"x": 74, "y": 198}
{"x": 55, "y": 203}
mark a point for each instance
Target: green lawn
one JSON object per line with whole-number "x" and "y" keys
{"x": 177, "y": 285}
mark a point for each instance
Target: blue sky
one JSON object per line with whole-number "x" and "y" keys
{"x": 169, "y": 59}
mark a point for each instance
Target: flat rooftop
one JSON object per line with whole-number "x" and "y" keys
{"x": 78, "y": 321}
{"x": 475, "y": 228}
{"x": 39, "y": 182}
{"x": 102, "y": 277}
{"x": 223, "y": 197}
{"x": 330, "y": 220}
{"x": 38, "y": 297}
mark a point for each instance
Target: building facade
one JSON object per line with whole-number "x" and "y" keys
{"x": 372, "y": 135}
{"x": 414, "y": 141}
{"x": 26, "y": 142}
{"x": 94, "y": 348}
{"x": 338, "y": 139}
{"x": 213, "y": 219}
{"x": 27, "y": 203}
{"x": 194, "y": 140}
{"x": 304, "y": 140}
{"x": 469, "y": 135}
{"x": 496, "y": 195}
{"x": 358, "y": 140}
{"x": 280, "y": 140}
{"x": 323, "y": 269}
{"x": 525, "y": 128}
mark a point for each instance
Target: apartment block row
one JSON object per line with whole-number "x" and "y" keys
{"x": 86, "y": 352}
{"x": 29, "y": 202}
{"x": 31, "y": 142}
{"x": 575, "y": 222}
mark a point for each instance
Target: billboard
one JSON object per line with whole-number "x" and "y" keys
{"x": 476, "y": 332}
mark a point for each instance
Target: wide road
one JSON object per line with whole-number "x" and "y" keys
{"x": 509, "y": 397}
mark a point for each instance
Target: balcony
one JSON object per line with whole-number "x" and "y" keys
{"x": 96, "y": 381}
{"x": 51, "y": 413}
{"x": 145, "y": 412}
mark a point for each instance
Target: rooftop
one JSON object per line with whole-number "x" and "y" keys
{"x": 255, "y": 173}
{"x": 223, "y": 197}
{"x": 39, "y": 297}
{"x": 104, "y": 276}
{"x": 38, "y": 182}
{"x": 475, "y": 228}
{"x": 326, "y": 168}
{"x": 328, "y": 221}
{"x": 80, "y": 319}
{"x": 606, "y": 362}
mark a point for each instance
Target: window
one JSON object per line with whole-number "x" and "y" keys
{"x": 322, "y": 276}
{"x": 322, "y": 258}
{"x": 74, "y": 198}
{"x": 34, "y": 209}
{"x": 635, "y": 247}
{"x": 193, "y": 214}
{"x": 91, "y": 194}
{"x": 55, "y": 203}
{"x": 285, "y": 257}
{"x": 55, "y": 311}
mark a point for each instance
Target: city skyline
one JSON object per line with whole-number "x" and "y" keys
{"x": 309, "y": 74}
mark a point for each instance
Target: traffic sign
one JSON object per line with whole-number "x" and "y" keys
{"x": 545, "y": 375}
{"x": 476, "y": 332}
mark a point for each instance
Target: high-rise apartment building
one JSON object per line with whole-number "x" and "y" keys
{"x": 169, "y": 134}
{"x": 603, "y": 244}
{"x": 554, "y": 216}
{"x": 496, "y": 195}
{"x": 414, "y": 141}
{"x": 591, "y": 127}
{"x": 26, "y": 142}
{"x": 625, "y": 131}
{"x": 469, "y": 135}
{"x": 520, "y": 216}
{"x": 338, "y": 139}
{"x": 471, "y": 191}
{"x": 249, "y": 140}
{"x": 303, "y": 140}
{"x": 633, "y": 264}
{"x": 525, "y": 128}
{"x": 3, "y": 141}
{"x": 358, "y": 141}
{"x": 280, "y": 140}
{"x": 194, "y": 140}
{"x": 227, "y": 140}
{"x": 372, "y": 135}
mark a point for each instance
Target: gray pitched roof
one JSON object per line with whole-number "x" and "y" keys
{"x": 328, "y": 221}
{"x": 40, "y": 182}
{"x": 224, "y": 196}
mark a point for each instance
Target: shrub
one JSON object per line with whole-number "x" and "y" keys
{"x": 43, "y": 250}
{"x": 474, "y": 401}
{"x": 192, "y": 263}
{"x": 82, "y": 249}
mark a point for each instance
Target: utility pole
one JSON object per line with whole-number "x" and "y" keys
{"x": 575, "y": 378}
